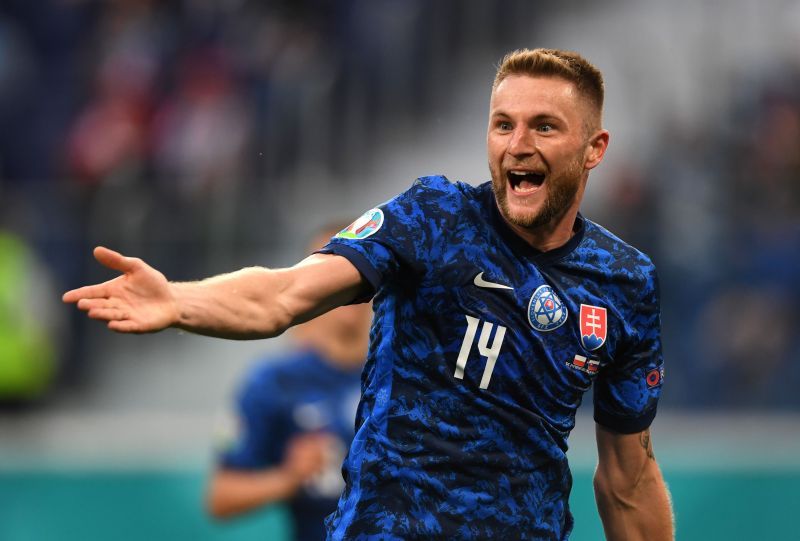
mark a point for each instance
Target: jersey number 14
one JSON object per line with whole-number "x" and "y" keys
{"x": 484, "y": 349}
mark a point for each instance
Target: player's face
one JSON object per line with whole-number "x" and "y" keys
{"x": 539, "y": 149}
{"x": 345, "y": 331}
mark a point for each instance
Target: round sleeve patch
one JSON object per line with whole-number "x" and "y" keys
{"x": 367, "y": 224}
{"x": 654, "y": 377}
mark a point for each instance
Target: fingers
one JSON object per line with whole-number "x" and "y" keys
{"x": 107, "y": 314}
{"x": 118, "y": 318}
{"x": 98, "y": 291}
{"x": 117, "y": 301}
{"x": 125, "y": 326}
{"x": 114, "y": 260}
{"x": 109, "y": 258}
{"x": 88, "y": 305}
{"x": 103, "y": 309}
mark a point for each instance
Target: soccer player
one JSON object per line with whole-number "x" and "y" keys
{"x": 496, "y": 308}
{"x": 295, "y": 422}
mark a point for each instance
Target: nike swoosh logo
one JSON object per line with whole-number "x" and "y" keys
{"x": 480, "y": 282}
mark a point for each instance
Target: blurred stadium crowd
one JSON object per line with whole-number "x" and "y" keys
{"x": 719, "y": 210}
{"x": 167, "y": 128}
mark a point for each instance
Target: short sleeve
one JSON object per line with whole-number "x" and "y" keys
{"x": 627, "y": 391}
{"x": 397, "y": 240}
{"x": 257, "y": 443}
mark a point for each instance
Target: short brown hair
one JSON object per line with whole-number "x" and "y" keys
{"x": 555, "y": 63}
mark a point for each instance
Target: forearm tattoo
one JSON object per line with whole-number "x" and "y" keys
{"x": 647, "y": 445}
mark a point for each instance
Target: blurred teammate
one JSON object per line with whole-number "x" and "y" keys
{"x": 295, "y": 418}
{"x": 496, "y": 308}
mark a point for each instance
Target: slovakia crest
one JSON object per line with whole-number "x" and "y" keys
{"x": 546, "y": 311}
{"x": 363, "y": 227}
{"x": 594, "y": 326}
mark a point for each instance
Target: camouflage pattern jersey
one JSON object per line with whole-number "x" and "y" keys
{"x": 480, "y": 352}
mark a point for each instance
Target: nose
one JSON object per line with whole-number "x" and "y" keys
{"x": 522, "y": 143}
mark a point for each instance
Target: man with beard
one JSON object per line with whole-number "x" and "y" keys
{"x": 496, "y": 308}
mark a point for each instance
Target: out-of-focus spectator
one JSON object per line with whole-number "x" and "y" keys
{"x": 203, "y": 128}
{"x": 110, "y": 133}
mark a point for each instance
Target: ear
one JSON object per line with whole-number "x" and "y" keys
{"x": 596, "y": 149}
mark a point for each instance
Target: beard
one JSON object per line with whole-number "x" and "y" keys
{"x": 561, "y": 192}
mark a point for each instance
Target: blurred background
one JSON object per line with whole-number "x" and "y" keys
{"x": 205, "y": 135}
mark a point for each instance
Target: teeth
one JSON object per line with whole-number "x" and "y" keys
{"x": 524, "y": 186}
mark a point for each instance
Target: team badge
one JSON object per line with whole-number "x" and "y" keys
{"x": 546, "y": 311}
{"x": 593, "y": 326}
{"x": 369, "y": 223}
{"x": 590, "y": 366}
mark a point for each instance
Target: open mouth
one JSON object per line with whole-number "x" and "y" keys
{"x": 525, "y": 181}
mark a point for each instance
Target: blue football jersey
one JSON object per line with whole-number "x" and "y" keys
{"x": 481, "y": 350}
{"x": 281, "y": 398}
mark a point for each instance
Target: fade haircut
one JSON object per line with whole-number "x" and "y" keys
{"x": 557, "y": 63}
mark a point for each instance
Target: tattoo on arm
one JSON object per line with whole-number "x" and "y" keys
{"x": 647, "y": 444}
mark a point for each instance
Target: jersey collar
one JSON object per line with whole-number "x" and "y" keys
{"x": 523, "y": 248}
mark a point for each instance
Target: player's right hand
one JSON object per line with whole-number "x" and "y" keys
{"x": 139, "y": 301}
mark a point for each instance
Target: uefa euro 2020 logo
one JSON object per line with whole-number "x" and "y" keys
{"x": 367, "y": 224}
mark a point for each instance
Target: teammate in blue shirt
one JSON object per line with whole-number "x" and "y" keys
{"x": 295, "y": 416}
{"x": 496, "y": 308}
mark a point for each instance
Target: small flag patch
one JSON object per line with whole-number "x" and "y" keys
{"x": 584, "y": 364}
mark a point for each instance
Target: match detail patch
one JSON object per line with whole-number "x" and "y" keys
{"x": 584, "y": 364}
{"x": 545, "y": 310}
{"x": 369, "y": 223}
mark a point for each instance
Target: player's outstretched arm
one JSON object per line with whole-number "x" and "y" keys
{"x": 632, "y": 498}
{"x": 250, "y": 303}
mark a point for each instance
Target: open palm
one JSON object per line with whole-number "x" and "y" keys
{"x": 138, "y": 301}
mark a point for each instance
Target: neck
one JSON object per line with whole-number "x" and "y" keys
{"x": 549, "y": 236}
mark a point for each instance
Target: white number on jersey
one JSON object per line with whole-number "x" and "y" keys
{"x": 490, "y": 353}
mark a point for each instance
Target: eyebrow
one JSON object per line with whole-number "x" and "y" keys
{"x": 538, "y": 118}
{"x": 547, "y": 117}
